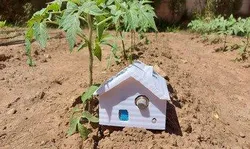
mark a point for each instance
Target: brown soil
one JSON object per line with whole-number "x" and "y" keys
{"x": 210, "y": 105}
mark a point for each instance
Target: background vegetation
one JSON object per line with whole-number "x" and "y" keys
{"x": 19, "y": 11}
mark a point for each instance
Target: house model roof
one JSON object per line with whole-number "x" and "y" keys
{"x": 142, "y": 73}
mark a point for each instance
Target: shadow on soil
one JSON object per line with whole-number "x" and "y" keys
{"x": 172, "y": 122}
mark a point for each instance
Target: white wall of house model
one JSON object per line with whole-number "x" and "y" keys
{"x": 136, "y": 97}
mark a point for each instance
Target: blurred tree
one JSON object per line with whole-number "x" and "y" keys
{"x": 222, "y": 7}
{"x": 19, "y": 11}
{"x": 38, "y": 4}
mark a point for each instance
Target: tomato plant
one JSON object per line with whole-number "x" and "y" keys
{"x": 72, "y": 16}
{"x": 225, "y": 27}
{"x": 132, "y": 16}
{"x": 242, "y": 27}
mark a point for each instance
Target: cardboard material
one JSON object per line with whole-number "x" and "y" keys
{"x": 118, "y": 94}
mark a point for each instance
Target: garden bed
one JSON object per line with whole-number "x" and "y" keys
{"x": 209, "y": 108}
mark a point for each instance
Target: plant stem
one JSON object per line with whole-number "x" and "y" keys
{"x": 51, "y": 22}
{"x": 247, "y": 41}
{"x": 103, "y": 21}
{"x": 133, "y": 40}
{"x": 131, "y": 48}
{"x": 90, "y": 50}
{"x": 59, "y": 12}
{"x": 80, "y": 17}
{"x": 225, "y": 42}
{"x": 245, "y": 49}
{"x": 89, "y": 21}
{"x": 123, "y": 46}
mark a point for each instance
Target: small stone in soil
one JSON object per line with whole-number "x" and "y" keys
{"x": 57, "y": 82}
{"x": 17, "y": 58}
{"x": 2, "y": 136}
{"x": 246, "y": 65}
{"x": 3, "y": 57}
{"x": 12, "y": 111}
{"x": 185, "y": 61}
{"x": 53, "y": 140}
{"x": 44, "y": 60}
{"x": 167, "y": 55}
{"x": 47, "y": 56}
{"x": 2, "y": 66}
{"x": 42, "y": 143}
{"x": 242, "y": 135}
{"x": 106, "y": 132}
{"x": 187, "y": 128}
{"x": 40, "y": 95}
{"x": 36, "y": 52}
{"x": 17, "y": 99}
{"x": 9, "y": 105}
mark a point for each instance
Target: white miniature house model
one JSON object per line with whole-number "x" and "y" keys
{"x": 136, "y": 97}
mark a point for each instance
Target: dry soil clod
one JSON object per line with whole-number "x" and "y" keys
{"x": 2, "y": 66}
{"x": 12, "y": 111}
{"x": 3, "y": 57}
{"x": 242, "y": 135}
{"x": 246, "y": 65}
{"x": 187, "y": 128}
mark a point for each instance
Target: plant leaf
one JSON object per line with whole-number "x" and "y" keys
{"x": 29, "y": 33}
{"x": 27, "y": 46}
{"x": 91, "y": 8}
{"x": 37, "y": 17}
{"x": 53, "y": 6}
{"x": 71, "y": 25}
{"x": 71, "y": 8}
{"x": 88, "y": 94}
{"x": 131, "y": 20}
{"x": 73, "y": 125}
{"x": 84, "y": 132}
{"x": 90, "y": 117}
{"x": 40, "y": 33}
{"x": 75, "y": 109}
{"x": 28, "y": 52}
{"x": 109, "y": 2}
{"x": 147, "y": 17}
{"x": 82, "y": 45}
{"x": 98, "y": 51}
{"x": 100, "y": 28}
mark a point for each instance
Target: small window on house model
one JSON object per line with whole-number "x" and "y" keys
{"x": 123, "y": 115}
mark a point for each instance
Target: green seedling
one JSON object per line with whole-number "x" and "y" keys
{"x": 225, "y": 27}
{"x": 133, "y": 16}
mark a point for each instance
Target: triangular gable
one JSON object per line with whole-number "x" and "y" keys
{"x": 142, "y": 73}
